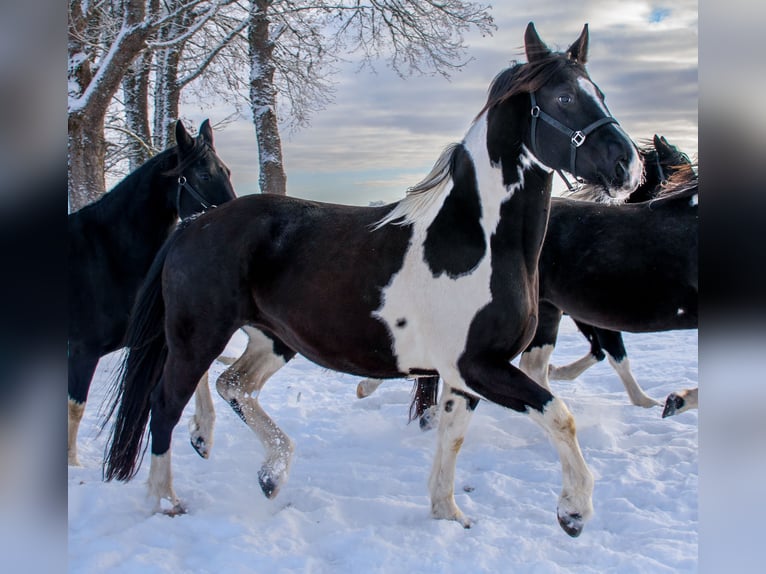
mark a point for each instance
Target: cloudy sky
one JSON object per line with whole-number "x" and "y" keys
{"x": 383, "y": 133}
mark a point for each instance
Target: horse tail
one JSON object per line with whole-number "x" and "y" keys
{"x": 139, "y": 373}
{"x": 424, "y": 394}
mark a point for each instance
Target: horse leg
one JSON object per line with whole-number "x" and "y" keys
{"x": 680, "y": 402}
{"x": 187, "y": 361}
{"x": 366, "y": 387}
{"x": 455, "y": 408}
{"x": 611, "y": 342}
{"x": 202, "y": 422}
{"x": 536, "y": 357}
{"x": 240, "y": 385}
{"x": 81, "y": 368}
{"x": 506, "y": 385}
{"x": 424, "y": 402}
{"x": 573, "y": 370}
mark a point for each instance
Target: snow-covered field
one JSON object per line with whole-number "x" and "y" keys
{"x": 357, "y": 499}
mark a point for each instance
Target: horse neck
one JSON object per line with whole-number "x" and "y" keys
{"x": 141, "y": 208}
{"x": 514, "y": 187}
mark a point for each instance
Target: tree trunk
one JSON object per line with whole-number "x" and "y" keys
{"x": 90, "y": 95}
{"x": 135, "y": 87}
{"x": 167, "y": 92}
{"x": 85, "y": 166}
{"x": 272, "y": 177}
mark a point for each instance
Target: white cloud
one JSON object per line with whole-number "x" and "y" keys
{"x": 382, "y": 125}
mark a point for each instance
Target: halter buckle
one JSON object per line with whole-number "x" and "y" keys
{"x": 535, "y": 111}
{"x": 578, "y": 138}
{"x": 181, "y": 180}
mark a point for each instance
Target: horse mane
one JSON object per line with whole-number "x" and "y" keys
{"x": 421, "y": 196}
{"x": 199, "y": 150}
{"x": 517, "y": 79}
{"x": 526, "y": 77}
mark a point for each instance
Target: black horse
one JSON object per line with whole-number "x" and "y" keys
{"x": 443, "y": 281}
{"x": 113, "y": 241}
{"x": 629, "y": 267}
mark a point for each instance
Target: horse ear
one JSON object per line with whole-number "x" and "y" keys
{"x": 533, "y": 45}
{"x": 661, "y": 144}
{"x": 579, "y": 50}
{"x": 183, "y": 139}
{"x": 206, "y": 133}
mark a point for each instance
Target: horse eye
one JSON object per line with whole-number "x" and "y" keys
{"x": 565, "y": 99}
{"x": 204, "y": 176}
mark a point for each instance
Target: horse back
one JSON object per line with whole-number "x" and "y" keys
{"x": 281, "y": 263}
{"x": 628, "y": 267}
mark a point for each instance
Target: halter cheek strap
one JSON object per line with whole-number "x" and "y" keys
{"x": 576, "y": 137}
{"x": 185, "y": 185}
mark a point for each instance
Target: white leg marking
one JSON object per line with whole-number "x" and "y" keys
{"x": 534, "y": 363}
{"x": 575, "y": 503}
{"x": 202, "y": 422}
{"x": 74, "y": 417}
{"x": 366, "y": 387}
{"x": 239, "y": 385}
{"x": 573, "y": 370}
{"x": 637, "y": 395}
{"x": 453, "y": 422}
{"x": 160, "y": 485}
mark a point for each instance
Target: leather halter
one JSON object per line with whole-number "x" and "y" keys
{"x": 576, "y": 137}
{"x": 185, "y": 185}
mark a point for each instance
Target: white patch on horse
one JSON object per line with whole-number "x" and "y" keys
{"x": 577, "y": 487}
{"x": 636, "y": 394}
{"x": 160, "y": 484}
{"x": 680, "y": 311}
{"x": 416, "y": 294}
{"x": 535, "y": 362}
{"x": 694, "y": 200}
{"x": 74, "y": 417}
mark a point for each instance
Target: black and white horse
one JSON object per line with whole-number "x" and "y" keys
{"x": 612, "y": 268}
{"x": 113, "y": 241}
{"x": 443, "y": 281}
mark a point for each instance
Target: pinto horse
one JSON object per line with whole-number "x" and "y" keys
{"x": 444, "y": 280}
{"x": 581, "y": 264}
{"x": 113, "y": 241}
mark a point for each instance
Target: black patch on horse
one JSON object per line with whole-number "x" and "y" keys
{"x": 455, "y": 242}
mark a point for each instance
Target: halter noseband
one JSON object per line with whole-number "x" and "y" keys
{"x": 183, "y": 184}
{"x": 576, "y": 137}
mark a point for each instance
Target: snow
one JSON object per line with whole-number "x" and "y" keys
{"x": 357, "y": 497}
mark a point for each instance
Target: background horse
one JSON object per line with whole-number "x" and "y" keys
{"x": 113, "y": 241}
{"x": 443, "y": 281}
{"x": 582, "y": 269}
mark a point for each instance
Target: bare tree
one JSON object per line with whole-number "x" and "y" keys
{"x": 104, "y": 37}
{"x": 294, "y": 43}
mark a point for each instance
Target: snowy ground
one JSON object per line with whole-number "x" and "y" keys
{"x": 357, "y": 499}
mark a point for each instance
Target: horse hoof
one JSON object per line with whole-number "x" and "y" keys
{"x": 572, "y": 524}
{"x": 673, "y": 404}
{"x": 200, "y": 446}
{"x": 269, "y": 486}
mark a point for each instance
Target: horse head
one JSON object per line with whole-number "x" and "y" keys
{"x": 569, "y": 126}
{"x": 203, "y": 179}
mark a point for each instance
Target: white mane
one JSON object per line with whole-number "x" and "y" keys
{"x": 423, "y": 195}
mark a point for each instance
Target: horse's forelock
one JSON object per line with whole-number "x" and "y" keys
{"x": 526, "y": 78}
{"x": 200, "y": 150}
